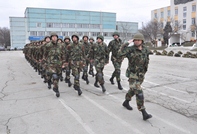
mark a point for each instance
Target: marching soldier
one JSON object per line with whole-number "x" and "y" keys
{"x": 101, "y": 58}
{"x": 138, "y": 57}
{"x": 113, "y": 47}
{"x": 76, "y": 55}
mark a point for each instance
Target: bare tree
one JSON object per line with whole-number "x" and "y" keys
{"x": 151, "y": 30}
{"x": 124, "y": 29}
{"x": 4, "y": 37}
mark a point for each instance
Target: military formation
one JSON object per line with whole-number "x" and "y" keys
{"x": 52, "y": 57}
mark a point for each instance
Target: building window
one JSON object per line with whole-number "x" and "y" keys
{"x": 193, "y": 8}
{"x": 193, "y": 33}
{"x": 65, "y": 25}
{"x": 95, "y": 33}
{"x": 80, "y": 33}
{"x": 48, "y": 33}
{"x": 38, "y": 25}
{"x": 176, "y": 23}
{"x": 70, "y": 33}
{"x": 71, "y": 25}
{"x": 193, "y": 21}
{"x": 41, "y": 33}
{"x": 168, "y": 12}
{"x": 184, "y": 24}
{"x": 105, "y": 34}
{"x": 96, "y": 26}
{"x": 33, "y": 33}
{"x": 161, "y": 14}
{"x": 65, "y": 33}
{"x": 79, "y": 25}
{"x": 50, "y": 25}
{"x": 85, "y": 25}
{"x": 57, "y": 25}
{"x": 155, "y": 15}
{"x": 184, "y": 9}
{"x": 86, "y": 33}
{"x": 184, "y": 14}
{"x": 176, "y": 11}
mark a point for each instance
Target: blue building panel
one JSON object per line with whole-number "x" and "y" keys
{"x": 68, "y": 16}
{"x": 109, "y": 26}
{"x": 95, "y": 13}
{"x": 36, "y": 20}
{"x": 36, "y": 38}
{"x": 35, "y": 10}
{"x": 53, "y": 20}
{"x": 52, "y": 11}
{"x": 36, "y": 15}
{"x": 53, "y": 16}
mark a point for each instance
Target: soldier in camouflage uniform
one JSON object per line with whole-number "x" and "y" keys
{"x": 91, "y": 70}
{"x": 76, "y": 55}
{"x": 59, "y": 40}
{"x": 138, "y": 57}
{"x": 56, "y": 60}
{"x": 113, "y": 47}
{"x": 47, "y": 39}
{"x": 87, "y": 48}
{"x": 68, "y": 67}
{"x": 101, "y": 58}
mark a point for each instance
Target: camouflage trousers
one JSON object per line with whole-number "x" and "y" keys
{"x": 52, "y": 71}
{"x": 99, "y": 65}
{"x": 68, "y": 70}
{"x": 76, "y": 69}
{"x": 135, "y": 89}
{"x": 85, "y": 69}
{"x": 117, "y": 71}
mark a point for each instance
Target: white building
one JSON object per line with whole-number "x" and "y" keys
{"x": 183, "y": 12}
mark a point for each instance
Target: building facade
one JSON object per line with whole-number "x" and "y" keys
{"x": 39, "y": 22}
{"x": 183, "y": 12}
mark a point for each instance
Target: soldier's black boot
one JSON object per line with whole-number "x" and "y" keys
{"x": 49, "y": 84}
{"x": 96, "y": 83}
{"x": 61, "y": 77}
{"x": 87, "y": 81}
{"x": 112, "y": 80}
{"x": 69, "y": 83}
{"x": 126, "y": 105}
{"x": 83, "y": 76}
{"x": 45, "y": 80}
{"x": 57, "y": 92}
{"x": 103, "y": 88}
{"x": 78, "y": 89}
{"x": 119, "y": 86}
{"x": 66, "y": 80}
{"x": 146, "y": 115}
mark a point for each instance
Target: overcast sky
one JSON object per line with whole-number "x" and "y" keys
{"x": 126, "y": 10}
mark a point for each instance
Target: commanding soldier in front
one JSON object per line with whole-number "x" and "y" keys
{"x": 77, "y": 60}
{"x": 56, "y": 60}
{"x": 138, "y": 60}
{"x": 113, "y": 47}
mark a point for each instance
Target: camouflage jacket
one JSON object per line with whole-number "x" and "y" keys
{"x": 76, "y": 54}
{"x": 100, "y": 53}
{"x": 138, "y": 61}
{"x": 87, "y": 47}
{"x": 54, "y": 53}
{"x": 113, "y": 47}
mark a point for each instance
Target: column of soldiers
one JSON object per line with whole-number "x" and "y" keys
{"x": 53, "y": 56}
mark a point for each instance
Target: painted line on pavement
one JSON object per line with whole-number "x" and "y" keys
{"x": 164, "y": 121}
{"x": 77, "y": 117}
